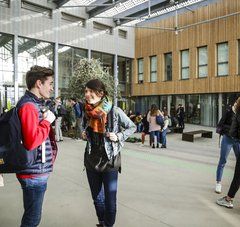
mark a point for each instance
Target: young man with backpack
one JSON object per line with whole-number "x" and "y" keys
{"x": 37, "y": 136}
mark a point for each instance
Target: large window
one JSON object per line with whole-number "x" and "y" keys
{"x": 32, "y": 52}
{"x": 6, "y": 71}
{"x": 153, "y": 69}
{"x": 184, "y": 64}
{"x": 106, "y": 59}
{"x": 124, "y": 78}
{"x": 140, "y": 70}
{"x": 168, "y": 66}
{"x": 222, "y": 59}
{"x": 68, "y": 57}
{"x": 202, "y": 62}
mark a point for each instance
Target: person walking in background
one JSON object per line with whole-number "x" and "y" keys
{"x": 138, "y": 122}
{"x": 164, "y": 130}
{"x": 234, "y": 132}
{"x": 145, "y": 130}
{"x": 227, "y": 144}
{"x": 154, "y": 128}
{"x": 37, "y": 136}
{"x": 180, "y": 116}
{"x": 106, "y": 129}
{"x": 78, "y": 110}
{"x": 59, "y": 111}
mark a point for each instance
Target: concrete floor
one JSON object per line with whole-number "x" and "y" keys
{"x": 157, "y": 188}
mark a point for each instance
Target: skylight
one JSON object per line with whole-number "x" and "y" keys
{"x": 164, "y": 11}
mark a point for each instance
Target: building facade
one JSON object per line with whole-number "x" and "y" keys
{"x": 197, "y": 64}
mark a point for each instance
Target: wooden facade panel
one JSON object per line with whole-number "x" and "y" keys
{"x": 151, "y": 42}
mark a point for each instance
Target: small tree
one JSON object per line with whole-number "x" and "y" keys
{"x": 86, "y": 70}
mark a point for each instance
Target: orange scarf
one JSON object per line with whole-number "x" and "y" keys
{"x": 97, "y": 115}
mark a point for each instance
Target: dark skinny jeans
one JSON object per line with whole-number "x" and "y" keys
{"x": 236, "y": 180}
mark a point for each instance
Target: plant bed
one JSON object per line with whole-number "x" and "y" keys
{"x": 133, "y": 140}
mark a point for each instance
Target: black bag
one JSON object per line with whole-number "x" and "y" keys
{"x": 61, "y": 110}
{"x": 160, "y": 121}
{"x": 13, "y": 156}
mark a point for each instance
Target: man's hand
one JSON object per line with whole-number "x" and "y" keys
{"x": 49, "y": 116}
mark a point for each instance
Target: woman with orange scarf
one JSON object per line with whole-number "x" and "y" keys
{"x": 106, "y": 128}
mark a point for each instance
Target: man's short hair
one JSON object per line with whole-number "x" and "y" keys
{"x": 37, "y": 73}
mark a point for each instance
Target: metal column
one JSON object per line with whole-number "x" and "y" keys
{"x": 115, "y": 79}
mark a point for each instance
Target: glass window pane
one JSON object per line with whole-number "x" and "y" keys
{"x": 153, "y": 63}
{"x": 185, "y": 58}
{"x": 185, "y": 73}
{"x": 32, "y": 52}
{"x": 203, "y": 71}
{"x": 223, "y": 69}
{"x": 202, "y": 56}
{"x": 140, "y": 70}
{"x": 223, "y": 52}
{"x": 107, "y": 61}
{"x": 153, "y": 77}
{"x": 168, "y": 66}
{"x": 65, "y": 66}
{"x": 140, "y": 77}
{"x": 6, "y": 72}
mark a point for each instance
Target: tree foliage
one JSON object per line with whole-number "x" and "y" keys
{"x": 86, "y": 70}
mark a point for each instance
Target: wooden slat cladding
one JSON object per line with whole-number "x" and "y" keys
{"x": 151, "y": 42}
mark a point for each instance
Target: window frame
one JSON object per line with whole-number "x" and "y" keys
{"x": 165, "y": 67}
{"x": 222, "y": 62}
{"x": 202, "y": 65}
{"x": 140, "y": 74}
{"x": 185, "y": 67}
{"x": 153, "y": 71}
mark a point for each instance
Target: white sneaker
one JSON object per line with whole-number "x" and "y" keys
{"x": 218, "y": 188}
{"x": 224, "y": 202}
{"x": 141, "y": 145}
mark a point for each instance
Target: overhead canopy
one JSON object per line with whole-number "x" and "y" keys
{"x": 132, "y": 12}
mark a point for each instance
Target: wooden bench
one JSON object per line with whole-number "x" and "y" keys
{"x": 189, "y": 136}
{"x": 175, "y": 130}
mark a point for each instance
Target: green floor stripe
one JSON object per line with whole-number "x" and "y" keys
{"x": 176, "y": 162}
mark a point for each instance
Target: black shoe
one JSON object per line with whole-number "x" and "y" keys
{"x": 157, "y": 145}
{"x": 163, "y": 146}
{"x": 99, "y": 225}
{"x": 153, "y": 146}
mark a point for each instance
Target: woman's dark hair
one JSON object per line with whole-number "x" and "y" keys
{"x": 97, "y": 86}
{"x": 37, "y": 73}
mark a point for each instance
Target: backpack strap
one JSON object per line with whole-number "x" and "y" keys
{"x": 110, "y": 120}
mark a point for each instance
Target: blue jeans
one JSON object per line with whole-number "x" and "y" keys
{"x": 103, "y": 187}
{"x": 33, "y": 194}
{"x": 226, "y": 144}
{"x": 153, "y": 134}
{"x": 164, "y": 137}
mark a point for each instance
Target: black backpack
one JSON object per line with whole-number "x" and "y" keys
{"x": 13, "y": 156}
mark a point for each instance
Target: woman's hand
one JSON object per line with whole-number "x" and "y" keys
{"x": 84, "y": 135}
{"x": 112, "y": 136}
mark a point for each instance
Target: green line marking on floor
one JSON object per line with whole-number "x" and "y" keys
{"x": 171, "y": 161}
